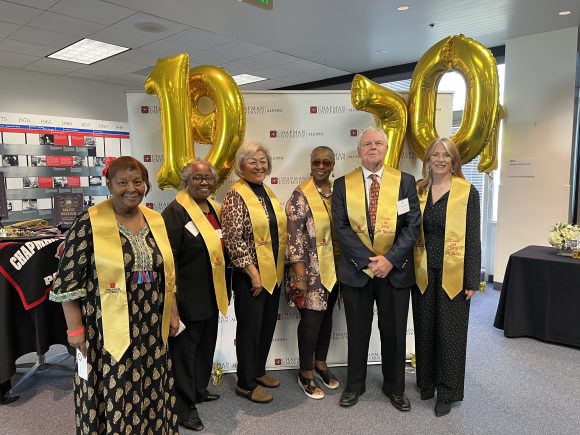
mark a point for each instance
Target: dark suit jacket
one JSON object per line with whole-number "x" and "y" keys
{"x": 195, "y": 290}
{"x": 354, "y": 255}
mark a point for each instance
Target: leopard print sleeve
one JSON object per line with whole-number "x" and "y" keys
{"x": 237, "y": 231}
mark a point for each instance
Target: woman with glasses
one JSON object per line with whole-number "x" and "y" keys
{"x": 254, "y": 226}
{"x": 194, "y": 230}
{"x": 313, "y": 287}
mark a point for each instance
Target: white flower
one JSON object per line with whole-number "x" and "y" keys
{"x": 560, "y": 232}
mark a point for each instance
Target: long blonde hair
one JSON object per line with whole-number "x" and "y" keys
{"x": 451, "y": 148}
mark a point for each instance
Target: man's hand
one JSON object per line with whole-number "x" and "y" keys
{"x": 380, "y": 266}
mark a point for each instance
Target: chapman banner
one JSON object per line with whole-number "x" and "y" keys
{"x": 291, "y": 124}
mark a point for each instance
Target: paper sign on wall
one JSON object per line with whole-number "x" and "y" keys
{"x": 521, "y": 167}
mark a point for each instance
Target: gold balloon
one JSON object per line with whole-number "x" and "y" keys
{"x": 224, "y": 128}
{"x": 488, "y": 157}
{"x": 477, "y": 66}
{"x": 169, "y": 81}
{"x": 389, "y": 109}
{"x": 179, "y": 90}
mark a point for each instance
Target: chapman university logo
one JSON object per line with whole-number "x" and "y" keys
{"x": 356, "y": 132}
{"x": 408, "y": 155}
{"x": 346, "y": 156}
{"x": 294, "y": 134}
{"x": 339, "y": 336}
{"x": 288, "y": 316}
{"x": 290, "y": 361}
{"x": 262, "y": 110}
{"x": 150, "y": 109}
{"x": 374, "y": 356}
{"x": 230, "y": 318}
{"x": 332, "y": 109}
{"x": 153, "y": 158}
{"x": 112, "y": 289}
{"x": 287, "y": 180}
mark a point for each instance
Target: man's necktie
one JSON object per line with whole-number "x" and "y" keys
{"x": 373, "y": 200}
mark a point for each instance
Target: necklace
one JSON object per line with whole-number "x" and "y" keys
{"x": 325, "y": 195}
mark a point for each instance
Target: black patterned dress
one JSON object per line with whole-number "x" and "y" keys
{"x": 134, "y": 395}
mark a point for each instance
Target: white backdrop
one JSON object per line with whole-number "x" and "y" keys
{"x": 291, "y": 124}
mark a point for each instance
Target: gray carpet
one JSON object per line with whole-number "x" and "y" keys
{"x": 513, "y": 386}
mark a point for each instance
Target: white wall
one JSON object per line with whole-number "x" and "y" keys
{"x": 540, "y": 75}
{"x": 48, "y": 94}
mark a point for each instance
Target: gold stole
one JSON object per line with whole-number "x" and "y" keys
{"x": 270, "y": 273}
{"x": 324, "y": 249}
{"x": 110, "y": 267}
{"x": 213, "y": 244}
{"x": 454, "y": 245}
{"x": 386, "y": 220}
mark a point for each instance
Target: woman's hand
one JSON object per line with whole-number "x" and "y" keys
{"x": 256, "y": 285}
{"x": 173, "y": 325}
{"x": 469, "y": 294}
{"x": 79, "y": 342}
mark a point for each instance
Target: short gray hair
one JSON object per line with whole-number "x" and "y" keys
{"x": 375, "y": 129}
{"x": 248, "y": 150}
{"x": 188, "y": 170}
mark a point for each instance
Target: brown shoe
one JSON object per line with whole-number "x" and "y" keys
{"x": 268, "y": 381}
{"x": 256, "y": 395}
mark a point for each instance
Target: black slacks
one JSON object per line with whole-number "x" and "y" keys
{"x": 314, "y": 330}
{"x": 392, "y": 309}
{"x": 256, "y": 321}
{"x": 440, "y": 338}
{"x": 192, "y": 354}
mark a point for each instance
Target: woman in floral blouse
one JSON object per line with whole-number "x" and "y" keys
{"x": 313, "y": 287}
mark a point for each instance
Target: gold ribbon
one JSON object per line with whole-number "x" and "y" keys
{"x": 110, "y": 267}
{"x": 213, "y": 244}
{"x": 386, "y": 221}
{"x": 324, "y": 247}
{"x": 454, "y": 244}
{"x": 270, "y": 273}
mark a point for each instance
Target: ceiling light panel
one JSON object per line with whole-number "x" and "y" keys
{"x": 88, "y": 51}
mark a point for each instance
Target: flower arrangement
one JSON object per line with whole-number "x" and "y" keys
{"x": 560, "y": 233}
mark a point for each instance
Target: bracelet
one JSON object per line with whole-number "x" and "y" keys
{"x": 300, "y": 279}
{"x": 75, "y": 332}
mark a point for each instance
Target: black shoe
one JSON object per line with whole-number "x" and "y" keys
{"x": 400, "y": 401}
{"x": 442, "y": 408}
{"x": 328, "y": 378}
{"x": 7, "y": 400}
{"x": 427, "y": 393}
{"x": 348, "y": 399}
{"x": 192, "y": 423}
{"x": 210, "y": 397}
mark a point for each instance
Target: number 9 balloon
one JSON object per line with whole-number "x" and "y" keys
{"x": 179, "y": 90}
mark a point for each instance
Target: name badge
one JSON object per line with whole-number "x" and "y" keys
{"x": 403, "y": 206}
{"x": 82, "y": 366}
{"x": 190, "y": 226}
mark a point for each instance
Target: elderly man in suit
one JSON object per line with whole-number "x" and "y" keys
{"x": 376, "y": 216}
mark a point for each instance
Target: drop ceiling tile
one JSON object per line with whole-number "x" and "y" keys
{"x": 53, "y": 66}
{"x": 208, "y": 57}
{"x": 199, "y": 38}
{"x": 64, "y": 24}
{"x": 22, "y": 47}
{"x": 38, "y": 4}
{"x": 301, "y": 66}
{"x": 94, "y": 73}
{"x": 118, "y": 65}
{"x": 126, "y": 34}
{"x": 272, "y": 73}
{"x": 138, "y": 56}
{"x": 8, "y": 28}
{"x": 133, "y": 80}
{"x": 46, "y": 37}
{"x": 17, "y": 14}
{"x": 166, "y": 48}
{"x": 14, "y": 60}
{"x": 322, "y": 74}
{"x": 260, "y": 61}
{"x": 239, "y": 49}
{"x": 92, "y": 10}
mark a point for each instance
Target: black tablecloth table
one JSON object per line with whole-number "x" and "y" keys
{"x": 540, "y": 296}
{"x": 29, "y": 322}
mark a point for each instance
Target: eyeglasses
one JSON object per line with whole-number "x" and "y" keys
{"x": 199, "y": 178}
{"x": 325, "y": 163}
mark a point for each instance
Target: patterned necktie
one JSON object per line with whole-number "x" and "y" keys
{"x": 374, "y": 200}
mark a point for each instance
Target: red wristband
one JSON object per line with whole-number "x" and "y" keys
{"x": 75, "y": 332}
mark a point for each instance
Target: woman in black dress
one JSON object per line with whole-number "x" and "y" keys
{"x": 120, "y": 325}
{"x": 448, "y": 269}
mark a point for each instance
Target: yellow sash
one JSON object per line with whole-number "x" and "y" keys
{"x": 213, "y": 244}
{"x": 111, "y": 275}
{"x": 454, "y": 245}
{"x": 386, "y": 220}
{"x": 324, "y": 248}
{"x": 270, "y": 273}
